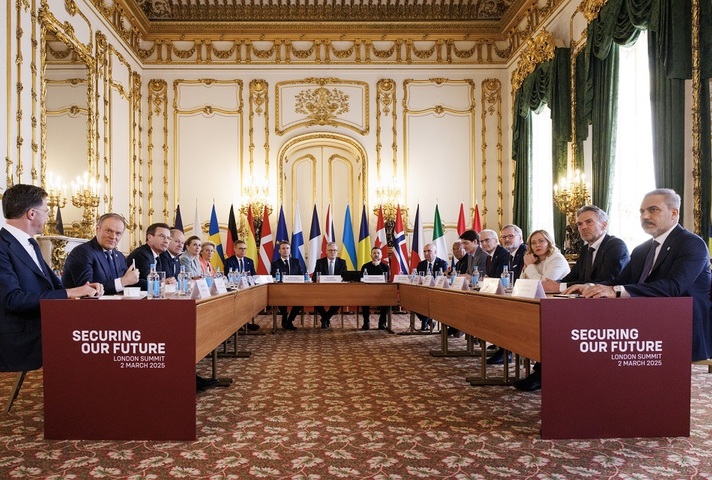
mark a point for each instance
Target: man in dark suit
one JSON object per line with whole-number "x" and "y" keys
{"x": 475, "y": 257}
{"x": 240, "y": 262}
{"x": 675, "y": 263}
{"x": 601, "y": 259}
{"x": 430, "y": 266}
{"x": 25, "y": 279}
{"x": 497, "y": 255}
{"x": 375, "y": 267}
{"x": 329, "y": 265}
{"x": 170, "y": 259}
{"x": 287, "y": 265}
{"x": 98, "y": 260}
{"x": 513, "y": 242}
{"x": 458, "y": 253}
{"x": 158, "y": 236}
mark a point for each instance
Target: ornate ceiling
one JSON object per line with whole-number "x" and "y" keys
{"x": 415, "y": 17}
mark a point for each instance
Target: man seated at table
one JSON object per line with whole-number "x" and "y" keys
{"x": 458, "y": 253}
{"x": 158, "y": 236}
{"x": 497, "y": 255}
{"x": 513, "y": 242}
{"x": 241, "y": 263}
{"x": 375, "y": 267}
{"x": 171, "y": 257}
{"x": 329, "y": 265}
{"x": 286, "y": 265}
{"x": 98, "y": 260}
{"x": 430, "y": 266}
{"x": 475, "y": 256}
{"x": 674, "y": 263}
{"x": 602, "y": 258}
{"x": 26, "y": 278}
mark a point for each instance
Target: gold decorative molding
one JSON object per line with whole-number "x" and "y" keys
{"x": 538, "y": 50}
{"x": 386, "y": 105}
{"x": 492, "y": 107}
{"x": 259, "y": 103}
{"x": 158, "y": 106}
{"x": 696, "y": 121}
{"x": 323, "y": 104}
{"x": 591, "y": 8}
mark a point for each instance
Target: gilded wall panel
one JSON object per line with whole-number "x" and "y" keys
{"x": 492, "y": 158}
{"x": 320, "y": 102}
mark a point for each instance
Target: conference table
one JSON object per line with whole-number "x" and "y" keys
{"x": 134, "y": 368}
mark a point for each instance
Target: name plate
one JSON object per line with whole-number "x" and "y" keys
{"x": 373, "y": 279}
{"x": 442, "y": 282}
{"x": 528, "y": 288}
{"x": 218, "y": 286}
{"x": 492, "y": 285}
{"x": 263, "y": 279}
{"x": 329, "y": 279}
{"x": 460, "y": 283}
{"x": 201, "y": 289}
{"x": 401, "y": 278}
{"x": 243, "y": 283}
{"x": 292, "y": 278}
{"x": 428, "y": 281}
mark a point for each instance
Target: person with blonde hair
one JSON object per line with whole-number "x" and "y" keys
{"x": 206, "y": 253}
{"x": 542, "y": 259}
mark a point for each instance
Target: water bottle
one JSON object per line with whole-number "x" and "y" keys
{"x": 475, "y": 277}
{"x": 413, "y": 276}
{"x": 278, "y": 276}
{"x": 505, "y": 278}
{"x": 306, "y": 277}
{"x": 440, "y": 273}
{"x": 153, "y": 283}
{"x": 453, "y": 274}
{"x": 183, "y": 282}
{"x": 231, "y": 278}
{"x": 218, "y": 273}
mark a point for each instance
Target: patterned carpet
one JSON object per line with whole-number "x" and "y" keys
{"x": 343, "y": 403}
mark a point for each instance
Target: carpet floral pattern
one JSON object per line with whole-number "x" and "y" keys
{"x": 344, "y": 403}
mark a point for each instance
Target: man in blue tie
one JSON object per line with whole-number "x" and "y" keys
{"x": 158, "y": 237}
{"x": 240, "y": 262}
{"x": 98, "y": 260}
{"x": 25, "y": 279}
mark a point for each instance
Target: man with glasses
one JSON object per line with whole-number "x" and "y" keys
{"x": 171, "y": 257}
{"x": 497, "y": 255}
{"x": 25, "y": 279}
{"x": 241, "y": 263}
{"x": 513, "y": 242}
{"x": 329, "y": 265}
{"x": 158, "y": 237}
{"x": 98, "y": 260}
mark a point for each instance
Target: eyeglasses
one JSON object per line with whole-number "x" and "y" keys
{"x": 162, "y": 237}
{"x": 485, "y": 240}
{"x": 506, "y": 237}
{"x": 241, "y": 248}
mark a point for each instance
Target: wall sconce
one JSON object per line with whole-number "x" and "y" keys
{"x": 85, "y": 195}
{"x": 256, "y": 198}
{"x": 56, "y": 198}
{"x": 388, "y": 196}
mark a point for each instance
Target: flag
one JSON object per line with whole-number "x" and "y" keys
{"x": 348, "y": 241}
{"x": 218, "y": 259}
{"x": 297, "y": 238}
{"x": 314, "y": 247}
{"x": 461, "y": 226}
{"x": 250, "y": 240}
{"x": 232, "y": 233}
{"x": 329, "y": 235}
{"x": 197, "y": 230}
{"x": 264, "y": 262}
{"x": 177, "y": 222}
{"x": 476, "y": 222}
{"x": 60, "y": 224}
{"x": 364, "y": 240}
{"x": 439, "y": 236}
{"x": 416, "y": 249}
{"x": 400, "y": 249}
{"x": 282, "y": 234}
{"x": 381, "y": 240}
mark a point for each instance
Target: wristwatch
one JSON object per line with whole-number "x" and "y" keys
{"x": 618, "y": 289}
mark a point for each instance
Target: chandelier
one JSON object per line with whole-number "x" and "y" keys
{"x": 571, "y": 194}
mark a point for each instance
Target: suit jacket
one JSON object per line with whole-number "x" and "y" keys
{"x": 22, "y": 285}
{"x": 191, "y": 264}
{"x": 144, "y": 257}
{"x": 438, "y": 264}
{"x": 87, "y": 263}
{"x": 682, "y": 269}
{"x": 479, "y": 259}
{"x": 295, "y": 267}
{"x": 170, "y": 264}
{"x": 500, "y": 258}
{"x": 516, "y": 261}
{"x": 610, "y": 259}
{"x": 233, "y": 263}
{"x": 322, "y": 266}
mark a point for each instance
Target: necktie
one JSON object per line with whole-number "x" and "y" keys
{"x": 489, "y": 265}
{"x": 430, "y": 268}
{"x": 588, "y": 267}
{"x": 241, "y": 266}
{"x": 112, "y": 265}
{"x": 286, "y": 266}
{"x": 331, "y": 267}
{"x": 158, "y": 264}
{"x": 648, "y": 265}
{"x": 40, "y": 263}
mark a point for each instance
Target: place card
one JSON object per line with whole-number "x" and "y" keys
{"x": 329, "y": 279}
{"x": 292, "y": 278}
{"x": 400, "y": 278}
{"x": 528, "y": 288}
{"x": 218, "y": 287}
{"x": 492, "y": 285}
{"x": 442, "y": 282}
{"x": 263, "y": 279}
{"x": 428, "y": 281}
{"x": 373, "y": 279}
{"x": 460, "y": 283}
{"x": 201, "y": 289}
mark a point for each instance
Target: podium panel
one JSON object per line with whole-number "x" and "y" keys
{"x": 616, "y": 367}
{"x": 119, "y": 369}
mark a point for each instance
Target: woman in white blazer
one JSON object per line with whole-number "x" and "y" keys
{"x": 542, "y": 259}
